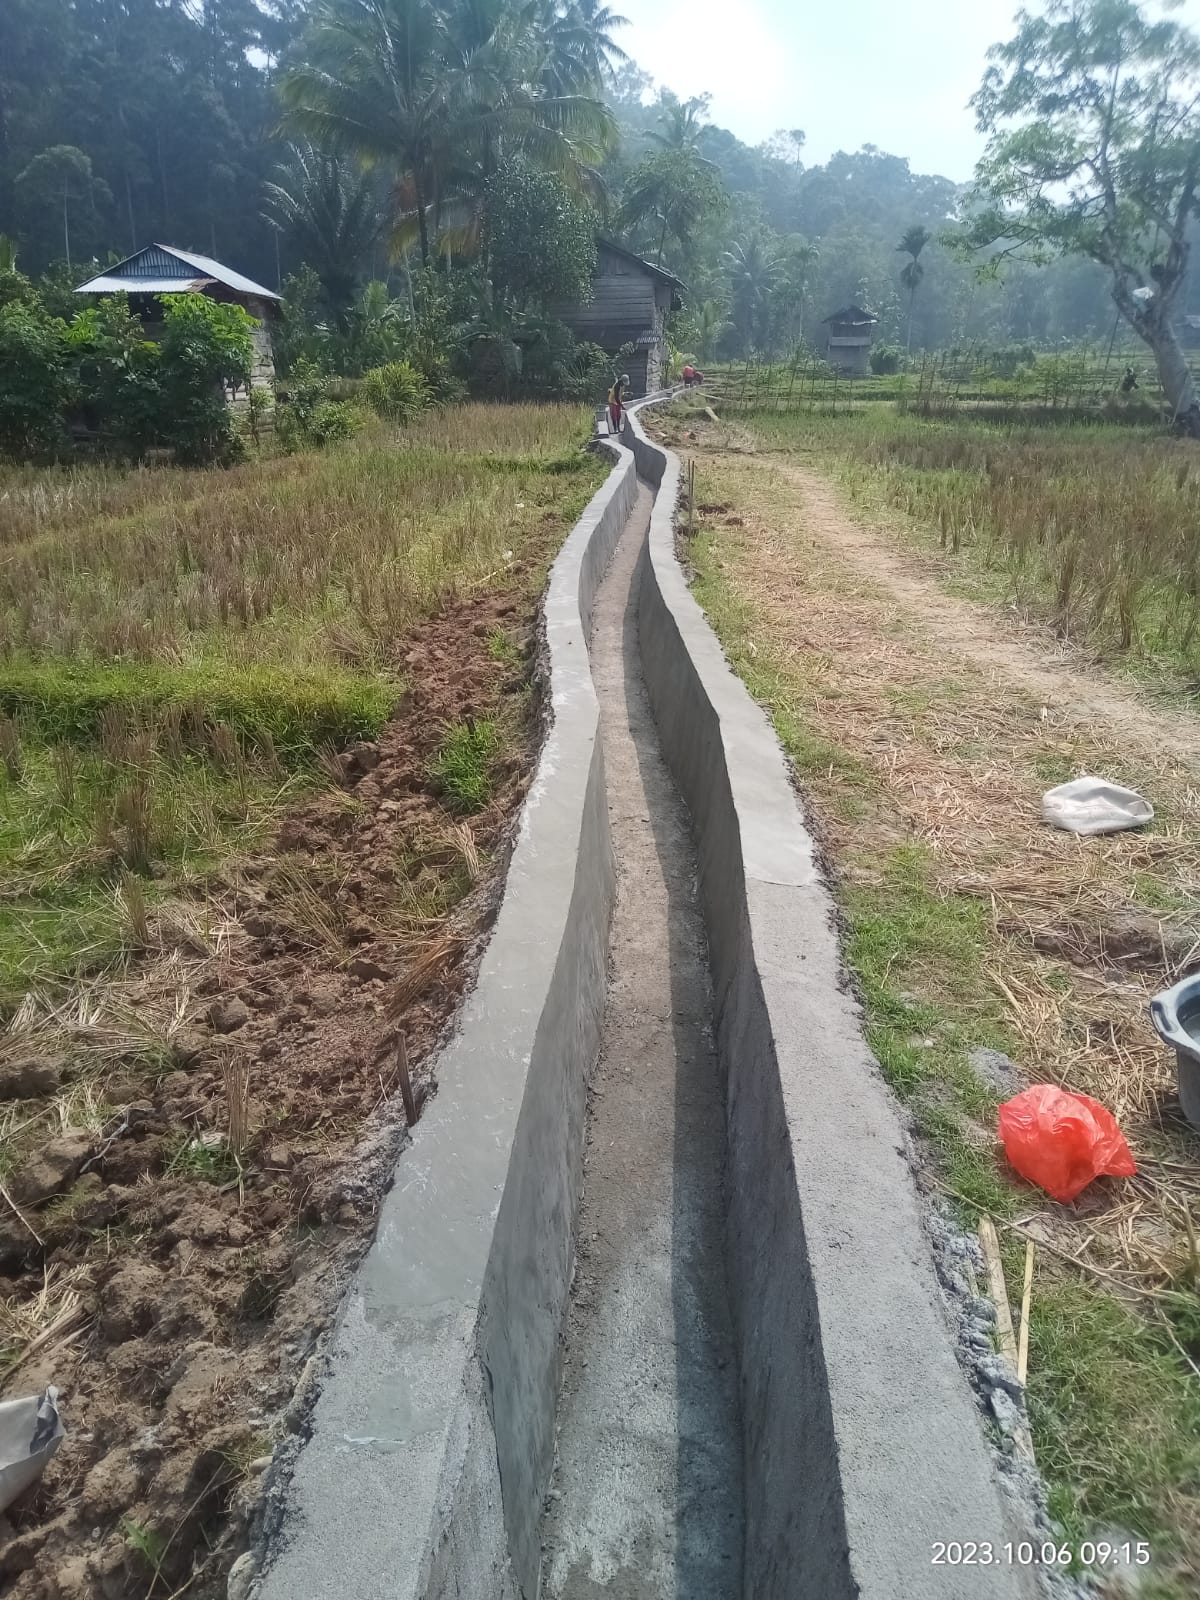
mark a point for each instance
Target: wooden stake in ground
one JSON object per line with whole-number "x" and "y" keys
{"x": 406, "y": 1088}
{"x": 1022, "y": 1438}
{"x": 999, "y": 1292}
{"x": 1026, "y": 1297}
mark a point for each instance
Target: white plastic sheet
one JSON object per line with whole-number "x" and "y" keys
{"x": 31, "y": 1431}
{"x": 1093, "y": 805}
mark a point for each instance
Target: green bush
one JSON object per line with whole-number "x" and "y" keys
{"x": 117, "y": 375}
{"x": 885, "y": 359}
{"x": 34, "y": 381}
{"x": 205, "y": 347}
{"x": 306, "y": 417}
{"x": 397, "y": 392}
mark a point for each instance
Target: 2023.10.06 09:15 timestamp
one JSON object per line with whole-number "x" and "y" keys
{"x": 1098, "y": 1553}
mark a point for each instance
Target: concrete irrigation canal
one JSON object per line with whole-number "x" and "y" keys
{"x": 650, "y": 1312}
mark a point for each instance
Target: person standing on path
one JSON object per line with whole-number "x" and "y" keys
{"x": 616, "y": 403}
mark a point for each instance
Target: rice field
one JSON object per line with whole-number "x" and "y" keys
{"x": 181, "y": 651}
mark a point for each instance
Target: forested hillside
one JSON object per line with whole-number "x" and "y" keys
{"x": 123, "y": 121}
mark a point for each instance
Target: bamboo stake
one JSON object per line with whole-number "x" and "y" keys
{"x": 999, "y": 1292}
{"x": 1026, "y": 1297}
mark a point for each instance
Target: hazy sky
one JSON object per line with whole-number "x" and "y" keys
{"x": 875, "y": 72}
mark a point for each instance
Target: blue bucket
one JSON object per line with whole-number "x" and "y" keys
{"x": 1176, "y": 1017}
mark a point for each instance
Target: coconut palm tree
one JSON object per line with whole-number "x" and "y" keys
{"x": 329, "y": 210}
{"x": 796, "y": 262}
{"x": 681, "y": 122}
{"x": 753, "y": 269}
{"x": 673, "y": 191}
{"x": 438, "y": 92}
{"x": 710, "y": 323}
{"x": 582, "y": 51}
{"x": 911, "y": 245}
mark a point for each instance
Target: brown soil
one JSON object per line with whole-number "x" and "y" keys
{"x": 180, "y": 1305}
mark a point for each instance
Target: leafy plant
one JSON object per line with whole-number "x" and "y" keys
{"x": 34, "y": 381}
{"x": 523, "y": 204}
{"x": 462, "y": 767}
{"x": 206, "y": 347}
{"x": 396, "y": 392}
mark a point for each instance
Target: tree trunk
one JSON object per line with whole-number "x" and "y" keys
{"x": 1150, "y": 319}
{"x": 912, "y": 296}
{"x": 422, "y": 221}
{"x": 1175, "y": 376}
{"x": 66, "y": 228}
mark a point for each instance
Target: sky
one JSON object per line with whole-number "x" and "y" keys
{"x": 877, "y": 72}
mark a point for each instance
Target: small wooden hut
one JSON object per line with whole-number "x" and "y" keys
{"x": 164, "y": 269}
{"x": 631, "y": 300}
{"x": 848, "y": 347}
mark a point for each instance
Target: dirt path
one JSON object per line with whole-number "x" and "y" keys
{"x": 647, "y": 1496}
{"x": 978, "y": 633}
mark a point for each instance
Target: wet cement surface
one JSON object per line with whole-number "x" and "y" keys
{"x": 647, "y": 1493}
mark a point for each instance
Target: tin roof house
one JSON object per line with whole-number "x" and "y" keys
{"x": 848, "y": 346}
{"x": 631, "y": 300}
{"x": 164, "y": 269}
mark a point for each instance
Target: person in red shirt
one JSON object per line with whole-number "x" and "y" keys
{"x": 692, "y": 376}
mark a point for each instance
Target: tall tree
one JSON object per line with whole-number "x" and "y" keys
{"x": 754, "y": 266}
{"x": 1093, "y": 113}
{"x": 674, "y": 191}
{"x": 437, "y": 93}
{"x": 912, "y": 244}
{"x": 681, "y": 123}
{"x": 58, "y": 180}
{"x": 797, "y": 259}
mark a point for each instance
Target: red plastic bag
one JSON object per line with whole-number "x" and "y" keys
{"x": 1062, "y": 1141}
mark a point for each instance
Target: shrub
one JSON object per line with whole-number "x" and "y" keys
{"x": 117, "y": 375}
{"x": 333, "y": 420}
{"x": 397, "y": 392}
{"x": 34, "y": 381}
{"x": 885, "y": 359}
{"x": 205, "y": 347}
{"x": 307, "y": 418}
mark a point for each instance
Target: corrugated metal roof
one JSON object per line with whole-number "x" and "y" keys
{"x": 107, "y": 284}
{"x": 165, "y": 269}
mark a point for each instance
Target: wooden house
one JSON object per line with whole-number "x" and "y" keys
{"x": 631, "y": 300}
{"x": 164, "y": 269}
{"x": 848, "y": 346}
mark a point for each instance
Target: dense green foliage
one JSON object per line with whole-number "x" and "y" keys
{"x": 101, "y": 372}
{"x": 452, "y": 133}
{"x": 396, "y": 392}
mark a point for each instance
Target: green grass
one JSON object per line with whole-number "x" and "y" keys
{"x": 1115, "y": 1413}
{"x": 180, "y": 651}
{"x": 1107, "y": 1392}
{"x": 463, "y": 765}
{"x": 294, "y": 714}
{"x": 202, "y": 1161}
